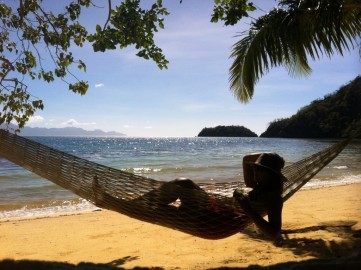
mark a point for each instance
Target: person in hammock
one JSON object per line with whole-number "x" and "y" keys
{"x": 262, "y": 173}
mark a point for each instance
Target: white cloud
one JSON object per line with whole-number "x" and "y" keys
{"x": 36, "y": 119}
{"x": 72, "y": 122}
{"x": 98, "y": 85}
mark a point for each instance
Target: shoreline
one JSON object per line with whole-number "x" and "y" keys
{"x": 67, "y": 207}
{"x": 320, "y": 225}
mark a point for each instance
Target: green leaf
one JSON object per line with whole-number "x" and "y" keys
{"x": 80, "y": 87}
{"x": 288, "y": 34}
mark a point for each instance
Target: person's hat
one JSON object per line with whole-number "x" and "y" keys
{"x": 272, "y": 162}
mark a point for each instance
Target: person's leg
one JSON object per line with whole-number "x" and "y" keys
{"x": 190, "y": 194}
{"x": 180, "y": 188}
{"x": 185, "y": 182}
{"x": 168, "y": 192}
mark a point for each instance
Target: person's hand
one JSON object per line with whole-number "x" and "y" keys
{"x": 245, "y": 204}
{"x": 242, "y": 200}
{"x": 242, "y": 192}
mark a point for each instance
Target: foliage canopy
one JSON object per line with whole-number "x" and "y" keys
{"x": 30, "y": 32}
{"x": 291, "y": 33}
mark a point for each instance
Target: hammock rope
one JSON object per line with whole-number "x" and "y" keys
{"x": 211, "y": 216}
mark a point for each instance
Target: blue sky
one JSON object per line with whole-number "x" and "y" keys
{"x": 131, "y": 95}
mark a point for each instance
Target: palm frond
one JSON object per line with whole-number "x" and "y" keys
{"x": 289, "y": 35}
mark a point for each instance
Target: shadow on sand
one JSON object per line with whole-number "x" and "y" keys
{"x": 48, "y": 265}
{"x": 345, "y": 263}
{"x": 348, "y": 242}
{"x": 343, "y": 254}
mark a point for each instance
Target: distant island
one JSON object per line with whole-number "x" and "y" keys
{"x": 227, "y": 131}
{"x": 67, "y": 131}
{"x": 337, "y": 115}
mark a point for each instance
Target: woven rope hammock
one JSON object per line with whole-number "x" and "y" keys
{"x": 211, "y": 215}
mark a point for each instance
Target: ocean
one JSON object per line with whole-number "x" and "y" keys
{"x": 24, "y": 194}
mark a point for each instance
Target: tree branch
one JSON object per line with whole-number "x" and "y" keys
{"x": 109, "y": 13}
{"x": 10, "y": 68}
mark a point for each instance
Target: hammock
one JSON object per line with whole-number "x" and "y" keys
{"x": 212, "y": 217}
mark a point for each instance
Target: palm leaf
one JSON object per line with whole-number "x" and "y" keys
{"x": 289, "y": 35}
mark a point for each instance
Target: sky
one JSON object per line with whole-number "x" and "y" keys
{"x": 133, "y": 96}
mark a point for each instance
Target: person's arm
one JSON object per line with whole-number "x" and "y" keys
{"x": 248, "y": 176}
{"x": 272, "y": 227}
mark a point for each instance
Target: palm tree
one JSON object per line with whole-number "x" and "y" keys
{"x": 291, "y": 33}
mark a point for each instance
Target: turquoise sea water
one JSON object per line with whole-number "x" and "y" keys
{"x": 201, "y": 159}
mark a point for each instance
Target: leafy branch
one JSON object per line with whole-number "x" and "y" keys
{"x": 291, "y": 34}
{"x": 28, "y": 28}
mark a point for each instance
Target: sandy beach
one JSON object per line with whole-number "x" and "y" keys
{"x": 321, "y": 227}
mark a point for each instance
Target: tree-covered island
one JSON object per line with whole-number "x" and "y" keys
{"x": 337, "y": 115}
{"x": 227, "y": 131}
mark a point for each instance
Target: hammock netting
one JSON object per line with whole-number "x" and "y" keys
{"x": 211, "y": 214}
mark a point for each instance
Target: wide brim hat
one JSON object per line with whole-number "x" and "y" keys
{"x": 271, "y": 162}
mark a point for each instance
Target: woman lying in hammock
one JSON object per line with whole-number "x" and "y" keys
{"x": 181, "y": 204}
{"x": 262, "y": 173}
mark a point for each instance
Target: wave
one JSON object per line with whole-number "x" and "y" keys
{"x": 327, "y": 181}
{"x": 81, "y": 205}
{"x": 53, "y": 208}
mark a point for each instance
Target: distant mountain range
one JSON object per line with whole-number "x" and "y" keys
{"x": 67, "y": 131}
